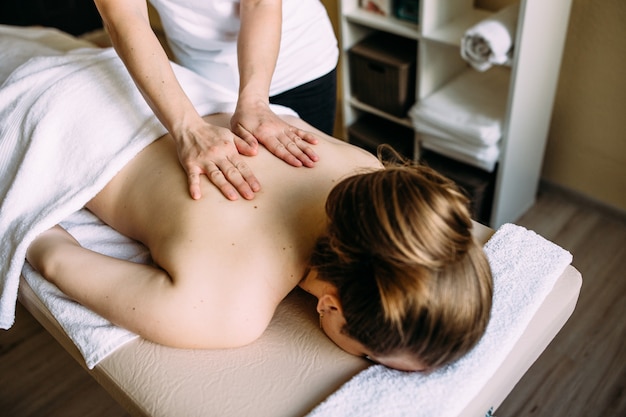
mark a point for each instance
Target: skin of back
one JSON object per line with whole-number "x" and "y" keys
{"x": 227, "y": 264}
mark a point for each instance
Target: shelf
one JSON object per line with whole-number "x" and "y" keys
{"x": 452, "y": 32}
{"x": 525, "y": 89}
{"x": 370, "y": 131}
{"x": 385, "y": 23}
{"x": 373, "y": 110}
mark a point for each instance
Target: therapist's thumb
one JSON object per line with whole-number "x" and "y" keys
{"x": 246, "y": 144}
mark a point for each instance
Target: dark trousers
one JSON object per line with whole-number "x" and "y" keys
{"x": 315, "y": 101}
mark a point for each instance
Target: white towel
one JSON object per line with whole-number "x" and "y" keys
{"x": 491, "y": 40}
{"x": 483, "y": 157}
{"x": 525, "y": 267}
{"x": 69, "y": 124}
{"x": 471, "y": 107}
{"x": 18, "y": 44}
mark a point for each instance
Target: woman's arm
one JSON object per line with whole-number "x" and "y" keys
{"x": 257, "y": 50}
{"x": 203, "y": 149}
{"x": 172, "y": 310}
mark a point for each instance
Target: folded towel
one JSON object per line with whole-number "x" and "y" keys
{"x": 525, "y": 267}
{"x": 471, "y": 107}
{"x": 69, "y": 124}
{"x": 491, "y": 40}
{"x": 483, "y": 157}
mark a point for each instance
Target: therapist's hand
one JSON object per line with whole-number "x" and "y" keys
{"x": 255, "y": 122}
{"x": 205, "y": 149}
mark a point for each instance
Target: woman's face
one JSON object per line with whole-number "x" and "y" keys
{"x": 333, "y": 323}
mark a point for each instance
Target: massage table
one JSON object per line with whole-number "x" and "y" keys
{"x": 289, "y": 371}
{"x": 295, "y": 370}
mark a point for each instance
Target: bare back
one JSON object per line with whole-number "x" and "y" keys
{"x": 242, "y": 254}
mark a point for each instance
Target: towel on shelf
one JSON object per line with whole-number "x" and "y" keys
{"x": 470, "y": 107}
{"x": 483, "y": 157}
{"x": 525, "y": 267}
{"x": 490, "y": 42}
{"x": 69, "y": 124}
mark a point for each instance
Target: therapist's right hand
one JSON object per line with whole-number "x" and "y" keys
{"x": 205, "y": 149}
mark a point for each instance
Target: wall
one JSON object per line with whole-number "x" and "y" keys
{"x": 587, "y": 141}
{"x": 586, "y": 150}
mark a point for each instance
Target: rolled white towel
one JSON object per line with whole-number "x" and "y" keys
{"x": 491, "y": 40}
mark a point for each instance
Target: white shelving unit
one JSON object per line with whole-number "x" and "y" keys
{"x": 533, "y": 76}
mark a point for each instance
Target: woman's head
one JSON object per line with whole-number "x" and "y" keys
{"x": 410, "y": 279}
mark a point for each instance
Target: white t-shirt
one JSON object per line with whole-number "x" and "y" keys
{"x": 203, "y": 37}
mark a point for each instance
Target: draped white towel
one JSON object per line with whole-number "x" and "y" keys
{"x": 69, "y": 124}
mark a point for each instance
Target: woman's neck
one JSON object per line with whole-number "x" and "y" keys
{"x": 310, "y": 283}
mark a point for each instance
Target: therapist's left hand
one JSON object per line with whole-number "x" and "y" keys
{"x": 256, "y": 123}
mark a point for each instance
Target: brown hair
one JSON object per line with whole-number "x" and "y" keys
{"x": 410, "y": 277}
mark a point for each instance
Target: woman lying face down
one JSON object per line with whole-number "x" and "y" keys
{"x": 387, "y": 251}
{"x": 412, "y": 287}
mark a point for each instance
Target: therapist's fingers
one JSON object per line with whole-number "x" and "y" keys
{"x": 234, "y": 174}
{"x": 219, "y": 160}
{"x": 216, "y": 177}
{"x": 287, "y": 142}
{"x": 295, "y": 146}
{"x": 304, "y": 135}
{"x": 272, "y": 142}
{"x": 193, "y": 178}
{"x": 304, "y": 139}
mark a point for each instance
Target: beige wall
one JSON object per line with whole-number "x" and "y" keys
{"x": 586, "y": 150}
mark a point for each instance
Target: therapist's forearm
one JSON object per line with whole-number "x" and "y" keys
{"x": 128, "y": 24}
{"x": 258, "y": 47}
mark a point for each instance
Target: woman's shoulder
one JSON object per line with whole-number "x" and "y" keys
{"x": 338, "y": 152}
{"x": 350, "y": 158}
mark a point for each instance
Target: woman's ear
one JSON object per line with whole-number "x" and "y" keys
{"x": 329, "y": 303}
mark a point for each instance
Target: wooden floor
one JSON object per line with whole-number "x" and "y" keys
{"x": 582, "y": 373}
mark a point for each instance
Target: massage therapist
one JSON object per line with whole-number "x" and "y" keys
{"x": 270, "y": 51}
